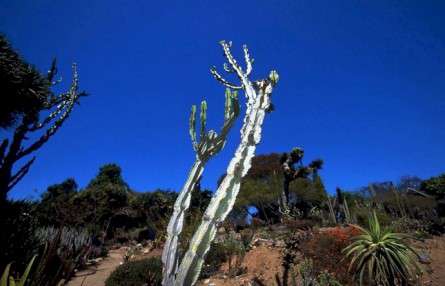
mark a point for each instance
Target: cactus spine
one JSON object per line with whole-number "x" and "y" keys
{"x": 258, "y": 103}
{"x": 209, "y": 144}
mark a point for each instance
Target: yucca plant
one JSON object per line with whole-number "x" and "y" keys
{"x": 382, "y": 255}
{"x": 7, "y": 280}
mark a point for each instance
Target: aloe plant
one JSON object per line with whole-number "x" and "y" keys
{"x": 7, "y": 280}
{"x": 257, "y": 95}
{"x": 382, "y": 255}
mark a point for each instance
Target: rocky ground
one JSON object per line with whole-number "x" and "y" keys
{"x": 262, "y": 262}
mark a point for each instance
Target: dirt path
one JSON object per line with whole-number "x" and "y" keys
{"x": 96, "y": 275}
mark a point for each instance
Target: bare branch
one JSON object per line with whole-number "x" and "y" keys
{"x": 20, "y": 174}
{"x": 3, "y": 146}
{"x": 60, "y": 107}
{"x": 52, "y": 71}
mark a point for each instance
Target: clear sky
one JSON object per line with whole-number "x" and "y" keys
{"x": 361, "y": 84}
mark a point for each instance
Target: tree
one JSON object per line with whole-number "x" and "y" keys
{"x": 105, "y": 197}
{"x": 291, "y": 173}
{"x": 434, "y": 186}
{"x": 154, "y": 207}
{"x": 261, "y": 188}
{"x": 29, "y": 97}
{"x": 56, "y": 207}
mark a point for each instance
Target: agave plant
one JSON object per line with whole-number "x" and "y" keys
{"x": 382, "y": 255}
{"x": 7, "y": 280}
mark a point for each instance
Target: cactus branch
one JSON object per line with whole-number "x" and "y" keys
{"x": 222, "y": 80}
{"x": 192, "y": 127}
{"x": 209, "y": 145}
{"x": 248, "y": 60}
{"x": 225, "y": 196}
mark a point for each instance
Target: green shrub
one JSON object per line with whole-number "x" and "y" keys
{"x": 137, "y": 273}
{"x": 309, "y": 276}
{"x": 382, "y": 255}
{"x": 362, "y": 217}
{"x": 231, "y": 251}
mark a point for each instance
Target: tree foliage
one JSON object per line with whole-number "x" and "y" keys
{"x": 434, "y": 186}
{"x": 263, "y": 184}
{"x": 56, "y": 207}
{"x": 23, "y": 88}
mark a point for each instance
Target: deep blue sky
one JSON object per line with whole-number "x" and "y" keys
{"x": 361, "y": 84}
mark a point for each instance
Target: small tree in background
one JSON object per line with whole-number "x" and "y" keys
{"x": 105, "y": 197}
{"x": 288, "y": 162}
{"x": 435, "y": 187}
{"x": 27, "y": 98}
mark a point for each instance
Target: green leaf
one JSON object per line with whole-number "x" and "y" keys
{"x": 5, "y": 275}
{"x": 26, "y": 273}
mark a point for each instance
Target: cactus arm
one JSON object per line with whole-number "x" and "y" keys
{"x": 210, "y": 144}
{"x": 222, "y": 202}
{"x": 224, "y": 199}
{"x": 182, "y": 203}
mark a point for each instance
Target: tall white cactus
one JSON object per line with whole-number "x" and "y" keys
{"x": 258, "y": 103}
{"x": 209, "y": 144}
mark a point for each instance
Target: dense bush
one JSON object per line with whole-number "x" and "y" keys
{"x": 17, "y": 240}
{"x": 137, "y": 273}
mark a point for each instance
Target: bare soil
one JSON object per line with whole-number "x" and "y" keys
{"x": 97, "y": 274}
{"x": 265, "y": 262}
{"x": 435, "y": 271}
{"x": 262, "y": 262}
